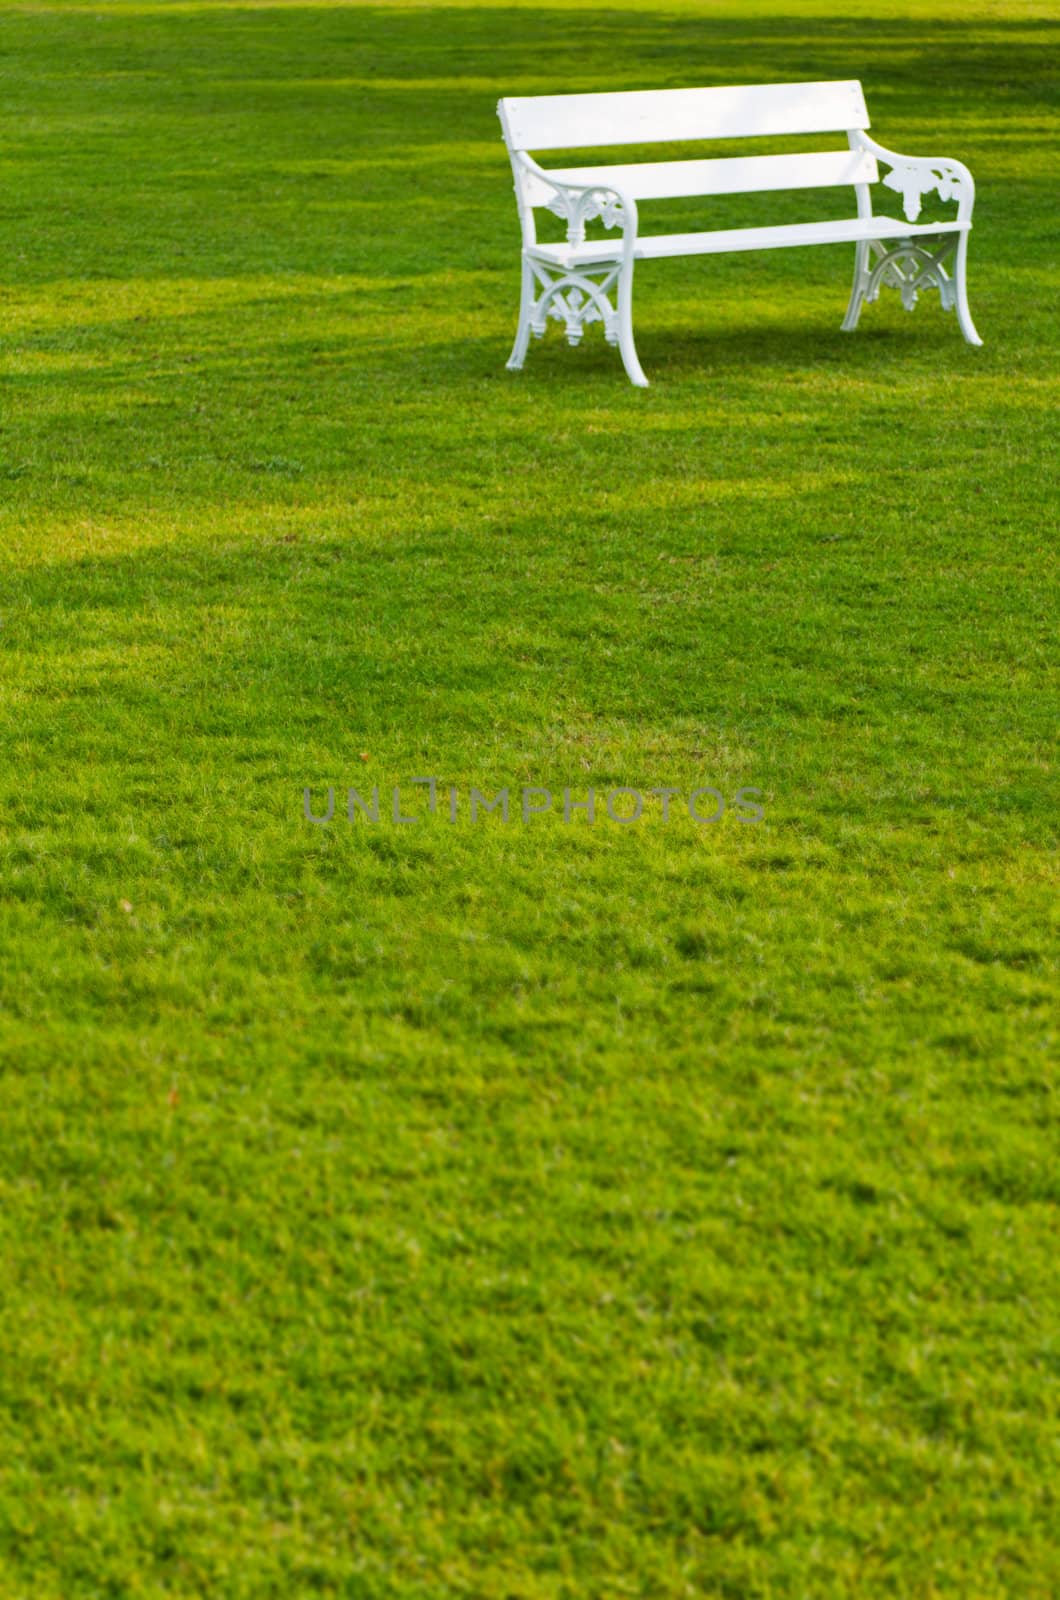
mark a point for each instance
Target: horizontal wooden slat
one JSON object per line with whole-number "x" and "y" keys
{"x": 847, "y": 231}
{"x": 670, "y": 180}
{"x": 651, "y": 116}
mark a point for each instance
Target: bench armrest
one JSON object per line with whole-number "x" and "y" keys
{"x": 579, "y": 203}
{"x": 914, "y": 176}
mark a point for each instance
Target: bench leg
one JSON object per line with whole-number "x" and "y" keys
{"x": 857, "y": 293}
{"x": 577, "y": 298}
{"x": 526, "y": 305}
{"x": 910, "y": 267}
{"x": 964, "y": 316}
{"x": 634, "y": 370}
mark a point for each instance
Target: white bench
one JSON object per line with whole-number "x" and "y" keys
{"x": 574, "y": 282}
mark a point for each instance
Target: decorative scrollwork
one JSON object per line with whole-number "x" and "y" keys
{"x": 575, "y": 299}
{"x": 910, "y": 268}
{"x": 914, "y": 179}
{"x": 576, "y": 207}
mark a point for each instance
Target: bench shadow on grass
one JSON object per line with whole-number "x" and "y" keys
{"x": 705, "y": 354}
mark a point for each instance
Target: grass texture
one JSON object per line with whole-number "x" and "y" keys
{"x": 544, "y": 1211}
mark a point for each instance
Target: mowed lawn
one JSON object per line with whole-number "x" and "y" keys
{"x": 545, "y": 1210}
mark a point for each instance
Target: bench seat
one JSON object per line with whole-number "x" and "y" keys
{"x": 650, "y": 246}
{"x": 586, "y": 280}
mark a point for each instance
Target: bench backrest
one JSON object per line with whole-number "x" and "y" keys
{"x": 655, "y": 116}
{"x": 651, "y": 116}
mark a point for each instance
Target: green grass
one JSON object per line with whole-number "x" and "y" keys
{"x": 534, "y": 1212}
